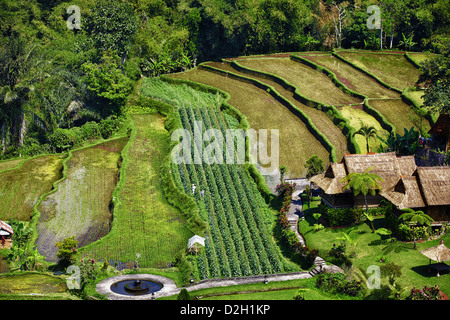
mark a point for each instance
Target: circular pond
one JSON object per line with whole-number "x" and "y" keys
{"x": 135, "y": 287}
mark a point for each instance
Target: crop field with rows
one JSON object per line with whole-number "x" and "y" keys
{"x": 237, "y": 241}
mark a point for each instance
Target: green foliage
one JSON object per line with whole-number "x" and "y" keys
{"x": 436, "y": 79}
{"x": 107, "y": 81}
{"x": 67, "y": 249}
{"x": 111, "y": 25}
{"x": 314, "y": 166}
{"x": 337, "y": 283}
{"x": 184, "y": 295}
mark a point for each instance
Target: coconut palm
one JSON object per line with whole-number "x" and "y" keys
{"x": 367, "y": 132}
{"x": 363, "y": 183}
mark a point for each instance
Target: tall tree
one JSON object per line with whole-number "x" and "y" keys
{"x": 363, "y": 183}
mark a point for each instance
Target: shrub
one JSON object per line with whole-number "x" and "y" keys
{"x": 337, "y": 283}
{"x": 90, "y": 130}
{"x": 426, "y": 293}
{"x": 63, "y": 139}
{"x": 341, "y": 217}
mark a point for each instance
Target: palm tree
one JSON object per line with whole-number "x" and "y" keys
{"x": 363, "y": 183}
{"x": 416, "y": 217}
{"x": 367, "y": 132}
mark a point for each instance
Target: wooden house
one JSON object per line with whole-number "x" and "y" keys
{"x": 440, "y": 133}
{"x": 6, "y": 233}
{"x": 387, "y": 165}
{"x": 404, "y": 184}
{"x": 427, "y": 190}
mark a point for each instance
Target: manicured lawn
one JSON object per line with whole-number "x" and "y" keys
{"x": 393, "y": 69}
{"x": 80, "y": 206}
{"x": 310, "y": 83}
{"x": 296, "y": 143}
{"x": 353, "y": 78}
{"x": 278, "y": 290}
{"x": 371, "y": 247}
{"x": 143, "y": 221}
{"x": 21, "y": 187}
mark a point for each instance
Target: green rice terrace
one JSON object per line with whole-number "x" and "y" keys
{"x": 128, "y": 206}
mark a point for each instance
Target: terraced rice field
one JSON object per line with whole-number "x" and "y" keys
{"x": 144, "y": 222}
{"x": 318, "y": 117}
{"x": 391, "y": 109}
{"x": 296, "y": 142}
{"x": 393, "y": 69}
{"x": 310, "y": 83}
{"x": 352, "y": 78}
{"x": 359, "y": 117}
{"x": 21, "y": 187}
{"x": 80, "y": 205}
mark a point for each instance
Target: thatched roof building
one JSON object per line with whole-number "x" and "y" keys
{"x": 441, "y": 131}
{"x": 6, "y": 232}
{"x": 405, "y": 184}
{"x": 387, "y": 165}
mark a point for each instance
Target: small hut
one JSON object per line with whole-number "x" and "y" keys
{"x": 439, "y": 253}
{"x": 6, "y": 232}
{"x": 194, "y": 242}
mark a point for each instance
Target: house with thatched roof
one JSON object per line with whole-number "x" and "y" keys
{"x": 440, "y": 132}
{"x": 427, "y": 190}
{"x": 404, "y": 184}
{"x": 6, "y": 232}
{"x": 387, "y": 165}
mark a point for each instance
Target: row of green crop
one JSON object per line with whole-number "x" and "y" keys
{"x": 241, "y": 244}
{"x": 280, "y": 98}
{"x": 331, "y": 111}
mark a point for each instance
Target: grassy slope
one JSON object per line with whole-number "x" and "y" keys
{"x": 352, "y": 78}
{"x": 319, "y": 118}
{"x": 80, "y": 206}
{"x": 21, "y": 187}
{"x": 311, "y": 83}
{"x": 143, "y": 222}
{"x": 297, "y": 144}
{"x": 393, "y": 69}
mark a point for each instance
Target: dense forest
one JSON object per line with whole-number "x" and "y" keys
{"x": 65, "y": 75}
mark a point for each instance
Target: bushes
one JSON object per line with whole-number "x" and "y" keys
{"x": 337, "y": 283}
{"x": 340, "y": 217}
{"x": 63, "y": 139}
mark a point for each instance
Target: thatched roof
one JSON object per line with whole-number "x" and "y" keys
{"x": 435, "y": 184}
{"x": 406, "y": 194}
{"x": 437, "y": 253}
{"x": 441, "y": 127}
{"x": 329, "y": 181}
{"x": 387, "y": 165}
